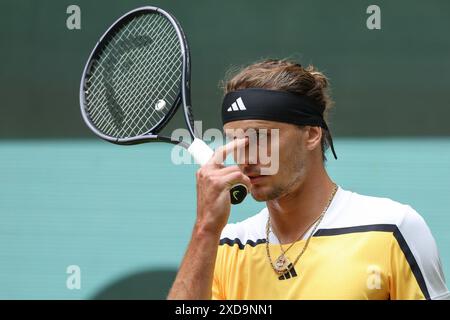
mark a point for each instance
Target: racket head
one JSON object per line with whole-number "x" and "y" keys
{"x": 135, "y": 77}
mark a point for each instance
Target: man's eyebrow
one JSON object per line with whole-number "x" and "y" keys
{"x": 266, "y": 130}
{"x": 229, "y": 132}
{"x": 251, "y": 128}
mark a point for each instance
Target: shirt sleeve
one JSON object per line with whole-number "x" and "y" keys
{"x": 415, "y": 264}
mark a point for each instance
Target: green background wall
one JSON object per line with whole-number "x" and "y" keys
{"x": 392, "y": 81}
{"x": 124, "y": 215}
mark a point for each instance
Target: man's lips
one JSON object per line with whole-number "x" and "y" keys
{"x": 254, "y": 179}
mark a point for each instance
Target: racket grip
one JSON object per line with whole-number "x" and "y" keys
{"x": 201, "y": 153}
{"x": 238, "y": 193}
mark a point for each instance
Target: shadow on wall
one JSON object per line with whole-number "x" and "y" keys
{"x": 146, "y": 285}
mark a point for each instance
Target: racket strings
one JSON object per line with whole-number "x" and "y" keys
{"x": 140, "y": 65}
{"x": 157, "y": 87}
{"x": 127, "y": 127}
{"x": 108, "y": 52}
{"x": 157, "y": 70}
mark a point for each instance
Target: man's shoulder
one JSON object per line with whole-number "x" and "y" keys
{"x": 374, "y": 210}
{"x": 413, "y": 236}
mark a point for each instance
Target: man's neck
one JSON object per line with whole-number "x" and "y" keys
{"x": 293, "y": 213}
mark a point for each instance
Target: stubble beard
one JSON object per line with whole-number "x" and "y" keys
{"x": 296, "y": 172}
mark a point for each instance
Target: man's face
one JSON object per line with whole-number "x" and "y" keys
{"x": 288, "y": 142}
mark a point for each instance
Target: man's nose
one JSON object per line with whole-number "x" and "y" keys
{"x": 249, "y": 155}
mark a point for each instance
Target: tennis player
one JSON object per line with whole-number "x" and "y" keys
{"x": 313, "y": 240}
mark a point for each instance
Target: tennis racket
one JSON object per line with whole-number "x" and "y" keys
{"x": 136, "y": 78}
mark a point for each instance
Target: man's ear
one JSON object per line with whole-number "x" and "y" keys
{"x": 313, "y": 136}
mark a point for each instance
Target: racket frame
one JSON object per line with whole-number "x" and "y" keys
{"x": 184, "y": 96}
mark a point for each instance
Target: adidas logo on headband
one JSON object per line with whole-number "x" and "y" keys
{"x": 238, "y": 105}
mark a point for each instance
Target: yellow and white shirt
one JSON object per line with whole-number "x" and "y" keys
{"x": 364, "y": 248}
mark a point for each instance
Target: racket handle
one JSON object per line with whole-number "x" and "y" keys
{"x": 201, "y": 153}
{"x": 238, "y": 193}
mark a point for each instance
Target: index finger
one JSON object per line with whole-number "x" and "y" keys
{"x": 221, "y": 152}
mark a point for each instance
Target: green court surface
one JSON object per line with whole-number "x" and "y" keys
{"x": 121, "y": 213}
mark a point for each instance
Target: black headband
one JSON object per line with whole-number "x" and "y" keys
{"x": 272, "y": 105}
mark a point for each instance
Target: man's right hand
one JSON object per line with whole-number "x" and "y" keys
{"x": 214, "y": 181}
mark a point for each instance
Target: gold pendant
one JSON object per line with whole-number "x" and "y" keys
{"x": 282, "y": 263}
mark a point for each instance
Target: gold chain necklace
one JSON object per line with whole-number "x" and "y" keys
{"x": 299, "y": 238}
{"x": 282, "y": 264}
